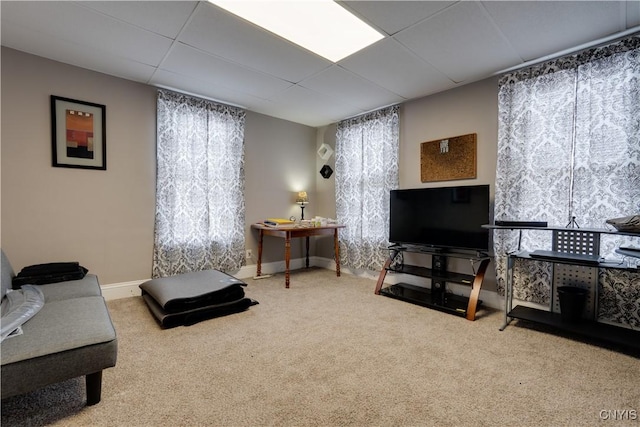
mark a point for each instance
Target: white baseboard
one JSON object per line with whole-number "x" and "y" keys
{"x": 122, "y": 290}
{"x": 488, "y": 298}
{"x": 131, "y": 289}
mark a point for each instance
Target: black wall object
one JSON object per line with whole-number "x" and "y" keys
{"x": 326, "y": 171}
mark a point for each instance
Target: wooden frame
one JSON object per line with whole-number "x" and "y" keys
{"x": 449, "y": 158}
{"x": 78, "y": 134}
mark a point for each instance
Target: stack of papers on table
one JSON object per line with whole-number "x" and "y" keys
{"x": 278, "y": 222}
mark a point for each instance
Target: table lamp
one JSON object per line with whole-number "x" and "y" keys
{"x": 302, "y": 200}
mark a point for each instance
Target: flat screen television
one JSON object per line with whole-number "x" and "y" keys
{"x": 440, "y": 218}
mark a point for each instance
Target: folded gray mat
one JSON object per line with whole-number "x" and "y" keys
{"x": 189, "y": 317}
{"x": 191, "y": 297}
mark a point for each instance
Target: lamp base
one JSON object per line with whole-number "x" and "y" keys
{"x": 302, "y": 214}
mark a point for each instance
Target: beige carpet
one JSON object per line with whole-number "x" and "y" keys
{"x": 328, "y": 352}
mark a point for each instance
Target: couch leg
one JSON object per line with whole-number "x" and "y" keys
{"x": 94, "y": 387}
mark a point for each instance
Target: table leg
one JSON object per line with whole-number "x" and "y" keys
{"x": 307, "y": 259}
{"x": 259, "y": 266}
{"x": 287, "y": 258}
{"x": 336, "y": 251}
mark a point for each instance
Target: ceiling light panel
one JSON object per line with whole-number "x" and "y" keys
{"x": 321, "y": 26}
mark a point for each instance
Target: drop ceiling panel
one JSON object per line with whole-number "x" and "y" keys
{"x": 225, "y": 95}
{"x": 435, "y": 46}
{"x": 193, "y": 63}
{"x": 392, "y": 66}
{"x": 87, "y": 28}
{"x": 537, "y": 28}
{"x": 305, "y": 106}
{"x": 162, "y": 17}
{"x": 462, "y": 43}
{"x": 218, "y": 32}
{"x": 203, "y": 89}
{"x": 341, "y": 84}
{"x": 389, "y": 17}
{"x": 24, "y": 39}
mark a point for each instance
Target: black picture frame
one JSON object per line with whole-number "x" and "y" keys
{"x": 78, "y": 134}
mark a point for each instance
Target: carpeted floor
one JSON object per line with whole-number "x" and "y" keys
{"x": 328, "y": 352}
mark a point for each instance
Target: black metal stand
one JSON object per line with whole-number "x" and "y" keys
{"x": 436, "y": 296}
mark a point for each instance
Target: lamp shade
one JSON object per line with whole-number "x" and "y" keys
{"x": 302, "y": 198}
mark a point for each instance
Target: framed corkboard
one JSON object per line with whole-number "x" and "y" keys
{"x": 449, "y": 159}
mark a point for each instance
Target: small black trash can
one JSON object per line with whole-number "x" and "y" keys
{"x": 572, "y": 302}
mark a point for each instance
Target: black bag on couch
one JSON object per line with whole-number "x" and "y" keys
{"x": 53, "y": 272}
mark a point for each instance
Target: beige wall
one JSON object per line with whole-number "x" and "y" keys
{"x": 104, "y": 219}
{"x": 279, "y": 162}
{"x": 469, "y": 109}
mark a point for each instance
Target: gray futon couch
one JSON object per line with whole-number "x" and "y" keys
{"x": 70, "y": 336}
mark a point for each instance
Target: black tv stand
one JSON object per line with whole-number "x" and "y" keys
{"x": 436, "y": 296}
{"x": 571, "y": 265}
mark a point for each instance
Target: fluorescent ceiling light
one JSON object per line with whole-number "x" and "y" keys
{"x": 321, "y": 26}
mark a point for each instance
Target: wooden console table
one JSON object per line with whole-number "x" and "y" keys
{"x": 289, "y": 232}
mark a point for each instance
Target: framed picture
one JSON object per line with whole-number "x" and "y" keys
{"x": 78, "y": 134}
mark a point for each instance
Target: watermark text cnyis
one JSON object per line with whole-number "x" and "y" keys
{"x": 618, "y": 415}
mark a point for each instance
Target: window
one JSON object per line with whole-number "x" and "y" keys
{"x": 366, "y": 170}
{"x": 569, "y": 151}
{"x": 200, "y": 209}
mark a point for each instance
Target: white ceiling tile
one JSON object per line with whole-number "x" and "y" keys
{"x": 203, "y": 89}
{"x": 435, "y": 46}
{"x": 193, "y": 63}
{"x": 162, "y": 17}
{"x": 339, "y": 83}
{"x": 216, "y": 31}
{"x": 390, "y": 65}
{"x": 283, "y": 110}
{"x": 311, "y": 108}
{"x": 74, "y": 23}
{"x": 393, "y": 16}
{"x": 295, "y": 104}
{"x": 538, "y": 28}
{"x": 462, "y": 43}
{"x": 21, "y": 38}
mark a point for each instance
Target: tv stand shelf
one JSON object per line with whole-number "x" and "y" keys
{"x": 568, "y": 241}
{"x": 587, "y": 328}
{"x": 437, "y": 296}
{"x": 449, "y": 303}
{"x": 448, "y": 276}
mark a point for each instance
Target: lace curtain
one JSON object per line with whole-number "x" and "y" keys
{"x": 569, "y": 146}
{"x": 366, "y": 170}
{"x": 200, "y": 208}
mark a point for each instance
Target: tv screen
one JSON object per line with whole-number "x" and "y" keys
{"x": 446, "y": 217}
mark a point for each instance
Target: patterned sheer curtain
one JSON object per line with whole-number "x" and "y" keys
{"x": 569, "y": 146}
{"x": 366, "y": 170}
{"x": 200, "y": 208}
